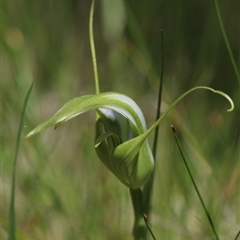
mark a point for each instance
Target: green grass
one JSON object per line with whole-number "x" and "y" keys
{"x": 62, "y": 190}
{"x": 12, "y": 221}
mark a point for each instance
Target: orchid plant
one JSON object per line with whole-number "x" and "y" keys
{"x": 121, "y": 138}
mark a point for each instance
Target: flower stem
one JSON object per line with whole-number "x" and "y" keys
{"x": 94, "y": 59}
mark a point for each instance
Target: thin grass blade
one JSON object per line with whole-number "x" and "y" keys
{"x": 236, "y": 70}
{"x": 148, "y": 188}
{"x": 12, "y": 227}
{"x": 238, "y": 234}
{"x": 194, "y": 184}
{"x": 148, "y": 226}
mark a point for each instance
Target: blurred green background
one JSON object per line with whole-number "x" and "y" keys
{"x": 63, "y": 191}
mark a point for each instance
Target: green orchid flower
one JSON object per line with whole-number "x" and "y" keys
{"x": 119, "y": 120}
{"x": 121, "y": 134}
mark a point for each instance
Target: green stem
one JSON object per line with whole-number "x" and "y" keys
{"x": 195, "y": 185}
{"x": 139, "y": 229}
{"x": 94, "y": 59}
{"x": 226, "y": 41}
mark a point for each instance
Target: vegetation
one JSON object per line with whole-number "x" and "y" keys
{"x": 62, "y": 190}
